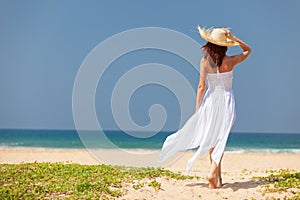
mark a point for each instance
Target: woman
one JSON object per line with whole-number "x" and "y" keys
{"x": 209, "y": 127}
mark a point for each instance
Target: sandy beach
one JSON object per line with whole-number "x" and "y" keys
{"x": 237, "y": 173}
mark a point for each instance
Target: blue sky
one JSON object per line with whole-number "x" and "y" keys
{"x": 43, "y": 44}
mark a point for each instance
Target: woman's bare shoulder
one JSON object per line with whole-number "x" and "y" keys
{"x": 227, "y": 59}
{"x": 227, "y": 63}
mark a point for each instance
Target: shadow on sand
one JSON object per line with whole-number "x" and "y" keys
{"x": 234, "y": 186}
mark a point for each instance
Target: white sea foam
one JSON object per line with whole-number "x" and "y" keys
{"x": 263, "y": 150}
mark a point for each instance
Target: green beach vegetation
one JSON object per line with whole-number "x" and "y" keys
{"x": 75, "y": 181}
{"x": 279, "y": 181}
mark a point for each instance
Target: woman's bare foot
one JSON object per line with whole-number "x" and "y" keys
{"x": 219, "y": 183}
{"x": 211, "y": 180}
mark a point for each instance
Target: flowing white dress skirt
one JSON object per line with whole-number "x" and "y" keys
{"x": 210, "y": 126}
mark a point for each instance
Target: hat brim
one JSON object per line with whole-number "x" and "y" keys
{"x": 205, "y": 34}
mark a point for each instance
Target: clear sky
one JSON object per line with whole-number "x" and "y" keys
{"x": 43, "y": 43}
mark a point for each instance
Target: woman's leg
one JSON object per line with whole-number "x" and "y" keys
{"x": 219, "y": 175}
{"x": 215, "y": 171}
{"x": 213, "y": 175}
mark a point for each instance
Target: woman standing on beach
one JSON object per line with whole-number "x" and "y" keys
{"x": 209, "y": 127}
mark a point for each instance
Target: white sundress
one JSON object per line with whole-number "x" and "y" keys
{"x": 208, "y": 127}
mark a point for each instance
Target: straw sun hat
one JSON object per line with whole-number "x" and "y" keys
{"x": 216, "y": 36}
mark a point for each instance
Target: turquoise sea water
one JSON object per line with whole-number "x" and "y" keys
{"x": 70, "y": 139}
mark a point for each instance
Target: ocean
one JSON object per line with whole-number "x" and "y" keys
{"x": 70, "y": 139}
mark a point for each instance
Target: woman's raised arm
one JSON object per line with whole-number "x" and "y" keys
{"x": 234, "y": 60}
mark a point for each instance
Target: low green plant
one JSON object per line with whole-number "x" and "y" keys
{"x": 74, "y": 181}
{"x": 138, "y": 185}
{"x": 156, "y": 185}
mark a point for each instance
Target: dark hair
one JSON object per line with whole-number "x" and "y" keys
{"x": 216, "y": 52}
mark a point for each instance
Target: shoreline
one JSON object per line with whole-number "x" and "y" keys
{"x": 236, "y": 150}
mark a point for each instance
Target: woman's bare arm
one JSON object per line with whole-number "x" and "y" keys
{"x": 202, "y": 84}
{"x": 200, "y": 92}
{"x": 234, "y": 60}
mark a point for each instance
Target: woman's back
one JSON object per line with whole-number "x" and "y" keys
{"x": 222, "y": 80}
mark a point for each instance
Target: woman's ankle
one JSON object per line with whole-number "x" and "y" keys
{"x": 212, "y": 181}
